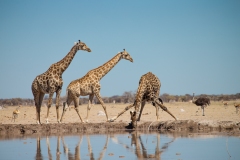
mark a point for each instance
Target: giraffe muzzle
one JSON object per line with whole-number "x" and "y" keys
{"x": 89, "y": 50}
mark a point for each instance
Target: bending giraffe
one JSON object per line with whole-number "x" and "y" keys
{"x": 148, "y": 90}
{"x": 51, "y": 81}
{"x": 90, "y": 85}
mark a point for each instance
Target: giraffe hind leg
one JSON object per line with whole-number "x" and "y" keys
{"x": 38, "y": 98}
{"x": 57, "y": 104}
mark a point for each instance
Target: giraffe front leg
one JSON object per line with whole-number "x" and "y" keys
{"x": 157, "y": 112}
{"x": 142, "y": 106}
{"x": 57, "y": 104}
{"x": 102, "y": 103}
{"x": 49, "y": 105}
{"x": 76, "y": 104}
{"x": 119, "y": 114}
{"x": 89, "y": 105}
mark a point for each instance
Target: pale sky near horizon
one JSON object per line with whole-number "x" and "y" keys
{"x": 192, "y": 46}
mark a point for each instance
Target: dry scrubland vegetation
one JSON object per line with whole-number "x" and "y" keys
{"x": 182, "y": 110}
{"x": 126, "y": 97}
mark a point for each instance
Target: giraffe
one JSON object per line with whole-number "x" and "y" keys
{"x": 51, "y": 81}
{"x": 90, "y": 85}
{"x": 148, "y": 90}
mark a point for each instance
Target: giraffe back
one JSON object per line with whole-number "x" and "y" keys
{"x": 149, "y": 85}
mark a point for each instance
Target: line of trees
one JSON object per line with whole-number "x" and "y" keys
{"x": 126, "y": 97}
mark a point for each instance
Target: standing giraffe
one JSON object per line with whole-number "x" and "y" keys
{"x": 148, "y": 90}
{"x": 51, "y": 81}
{"x": 90, "y": 85}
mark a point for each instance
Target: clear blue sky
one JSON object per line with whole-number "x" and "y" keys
{"x": 192, "y": 46}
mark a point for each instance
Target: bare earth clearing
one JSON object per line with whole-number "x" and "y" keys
{"x": 218, "y": 118}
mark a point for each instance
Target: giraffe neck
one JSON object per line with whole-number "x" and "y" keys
{"x": 140, "y": 91}
{"x": 106, "y": 67}
{"x": 63, "y": 64}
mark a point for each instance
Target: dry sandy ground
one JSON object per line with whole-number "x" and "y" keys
{"x": 182, "y": 110}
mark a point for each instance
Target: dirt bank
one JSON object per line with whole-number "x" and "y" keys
{"x": 171, "y": 126}
{"x": 218, "y": 118}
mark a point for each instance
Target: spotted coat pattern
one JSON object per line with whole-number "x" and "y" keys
{"x": 51, "y": 81}
{"x": 90, "y": 85}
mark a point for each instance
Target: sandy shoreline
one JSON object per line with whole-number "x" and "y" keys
{"x": 217, "y": 118}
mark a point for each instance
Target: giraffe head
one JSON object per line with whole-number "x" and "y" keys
{"x": 126, "y": 55}
{"x": 82, "y": 46}
{"x": 133, "y": 118}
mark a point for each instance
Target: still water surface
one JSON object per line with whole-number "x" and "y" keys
{"x": 133, "y": 145}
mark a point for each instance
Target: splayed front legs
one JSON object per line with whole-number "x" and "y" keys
{"x": 135, "y": 115}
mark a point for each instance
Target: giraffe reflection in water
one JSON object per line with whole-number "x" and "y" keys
{"x": 69, "y": 155}
{"x": 137, "y": 146}
{"x": 39, "y": 155}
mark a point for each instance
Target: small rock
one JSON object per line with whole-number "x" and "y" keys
{"x": 101, "y": 113}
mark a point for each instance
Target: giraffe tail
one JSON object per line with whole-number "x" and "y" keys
{"x": 64, "y": 103}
